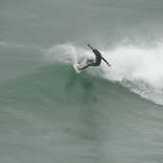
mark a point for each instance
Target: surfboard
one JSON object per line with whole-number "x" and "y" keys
{"x": 76, "y": 68}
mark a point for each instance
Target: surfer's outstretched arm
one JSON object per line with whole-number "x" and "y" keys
{"x": 106, "y": 61}
{"x": 90, "y": 46}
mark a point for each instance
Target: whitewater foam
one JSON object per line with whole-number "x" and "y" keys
{"x": 132, "y": 64}
{"x": 67, "y": 53}
{"x": 139, "y": 69}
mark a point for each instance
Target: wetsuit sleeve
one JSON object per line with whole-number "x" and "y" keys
{"x": 105, "y": 61}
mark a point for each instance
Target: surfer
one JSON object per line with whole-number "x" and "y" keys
{"x": 97, "y": 61}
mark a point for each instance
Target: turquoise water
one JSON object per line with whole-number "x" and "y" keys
{"x": 48, "y": 113}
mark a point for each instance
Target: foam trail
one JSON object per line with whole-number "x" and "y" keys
{"x": 139, "y": 69}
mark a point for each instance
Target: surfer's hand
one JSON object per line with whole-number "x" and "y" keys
{"x": 90, "y": 46}
{"x": 109, "y": 64}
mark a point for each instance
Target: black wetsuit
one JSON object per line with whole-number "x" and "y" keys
{"x": 98, "y": 58}
{"x": 97, "y": 61}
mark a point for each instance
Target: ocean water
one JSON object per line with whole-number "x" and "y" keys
{"x": 48, "y": 113}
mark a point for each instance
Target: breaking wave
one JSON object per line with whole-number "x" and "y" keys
{"x": 138, "y": 68}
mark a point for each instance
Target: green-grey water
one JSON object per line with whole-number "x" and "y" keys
{"x": 48, "y": 113}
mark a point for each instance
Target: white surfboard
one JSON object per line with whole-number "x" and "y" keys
{"x": 76, "y": 68}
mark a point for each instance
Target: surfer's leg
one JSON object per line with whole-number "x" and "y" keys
{"x": 84, "y": 67}
{"x": 88, "y": 62}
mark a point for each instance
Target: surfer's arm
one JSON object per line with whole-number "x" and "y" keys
{"x": 90, "y": 46}
{"x": 106, "y": 61}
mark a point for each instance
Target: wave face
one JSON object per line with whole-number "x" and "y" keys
{"x": 138, "y": 68}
